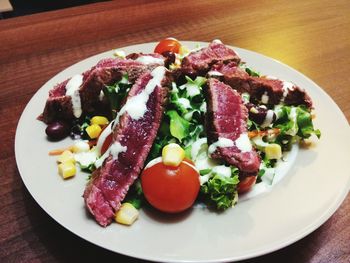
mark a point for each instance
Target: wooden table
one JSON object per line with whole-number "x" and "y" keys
{"x": 311, "y": 36}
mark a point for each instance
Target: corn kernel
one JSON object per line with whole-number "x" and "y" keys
{"x": 93, "y": 131}
{"x": 127, "y": 214}
{"x": 67, "y": 169}
{"x": 273, "y": 151}
{"x": 172, "y": 154}
{"x": 66, "y": 156}
{"x": 99, "y": 120}
{"x": 80, "y": 146}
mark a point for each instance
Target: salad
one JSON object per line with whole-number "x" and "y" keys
{"x": 174, "y": 128}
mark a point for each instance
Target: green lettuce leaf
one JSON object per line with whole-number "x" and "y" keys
{"x": 179, "y": 127}
{"x": 219, "y": 191}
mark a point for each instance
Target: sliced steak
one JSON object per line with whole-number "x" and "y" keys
{"x": 136, "y": 127}
{"x": 227, "y": 128}
{"x": 199, "y": 62}
{"x": 274, "y": 91}
{"x": 59, "y": 106}
{"x": 231, "y": 75}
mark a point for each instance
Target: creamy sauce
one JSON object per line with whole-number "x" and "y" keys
{"x": 268, "y": 119}
{"x": 265, "y": 98}
{"x": 287, "y": 86}
{"x": 150, "y": 60}
{"x": 293, "y": 117}
{"x": 221, "y": 142}
{"x": 116, "y": 148}
{"x": 86, "y": 158}
{"x": 222, "y": 170}
{"x": 72, "y": 90}
{"x": 242, "y": 143}
{"x": 136, "y": 106}
{"x": 113, "y": 150}
{"x": 215, "y": 73}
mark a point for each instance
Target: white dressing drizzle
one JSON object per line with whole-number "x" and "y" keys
{"x": 268, "y": 119}
{"x": 215, "y": 73}
{"x": 150, "y": 60}
{"x": 136, "y": 106}
{"x": 114, "y": 150}
{"x": 222, "y": 170}
{"x": 72, "y": 90}
{"x": 242, "y": 143}
{"x": 287, "y": 86}
{"x": 221, "y": 142}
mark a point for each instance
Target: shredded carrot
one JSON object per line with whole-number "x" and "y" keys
{"x": 60, "y": 151}
{"x": 274, "y": 131}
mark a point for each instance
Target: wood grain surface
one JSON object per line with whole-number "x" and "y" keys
{"x": 310, "y": 36}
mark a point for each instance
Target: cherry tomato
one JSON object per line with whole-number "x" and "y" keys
{"x": 106, "y": 143}
{"x": 170, "y": 189}
{"x": 168, "y": 44}
{"x": 246, "y": 184}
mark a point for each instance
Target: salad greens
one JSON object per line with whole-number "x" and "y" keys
{"x": 220, "y": 191}
{"x": 117, "y": 92}
{"x": 183, "y": 123}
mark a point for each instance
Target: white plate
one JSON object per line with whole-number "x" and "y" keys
{"x": 305, "y": 198}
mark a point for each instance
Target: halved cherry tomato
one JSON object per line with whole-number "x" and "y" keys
{"x": 170, "y": 189}
{"x": 246, "y": 184}
{"x": 106, "y": 143}
{"x": 168, "y": 44}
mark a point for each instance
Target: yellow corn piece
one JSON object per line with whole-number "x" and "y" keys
{"x": 93, "y": 131}
{"x": 66, "y": 156}
{"x": 273, "y": 151}
{"x": 127, "y": 214}
{"x": 172, "y": 154}
{"x": 67, "y": 169}
{"x": 99, "y": 120}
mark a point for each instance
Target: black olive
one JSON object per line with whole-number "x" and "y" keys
{"x": 57, "y": 130}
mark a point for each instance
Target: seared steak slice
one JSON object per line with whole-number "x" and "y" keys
{"x": 135, "y": 129}
{"x": 261, "y": 89}
{"x": 274, "y": 91}
{"x": 199, "y": 62}
{"x": 227, "y": 128}
{"x": 231, "y": 75}
{"x": 59, "y": 106}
